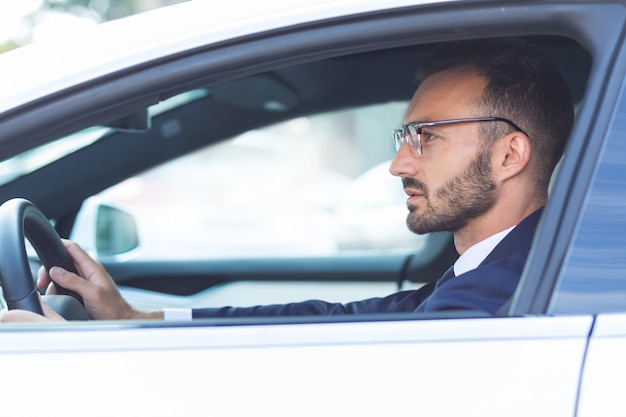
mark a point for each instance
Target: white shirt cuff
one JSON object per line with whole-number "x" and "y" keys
{"x": 177, "y": 314}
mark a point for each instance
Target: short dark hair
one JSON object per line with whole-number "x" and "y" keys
{"x": 524, "y": 86}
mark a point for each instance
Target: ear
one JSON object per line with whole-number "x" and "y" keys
{"x": 511, "y": 155}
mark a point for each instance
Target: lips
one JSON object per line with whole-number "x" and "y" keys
{"x": 413, "y": 192}
{"x": 414, "y": 189}
{"x": 414, "y": 196}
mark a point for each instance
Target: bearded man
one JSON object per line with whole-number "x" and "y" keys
{"x": 479, "y": 141}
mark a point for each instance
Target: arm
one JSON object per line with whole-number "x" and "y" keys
{"x": 400, "y": 302}
{"x": 101, "y": 297}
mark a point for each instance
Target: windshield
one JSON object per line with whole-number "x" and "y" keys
{"x": 33, "y": 159}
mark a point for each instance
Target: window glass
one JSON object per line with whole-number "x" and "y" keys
{"x": 314, "y": 186}
{"x": 594, "y": 273}
{"x": 33, "y": 159}
{"x": 38, "y": 157}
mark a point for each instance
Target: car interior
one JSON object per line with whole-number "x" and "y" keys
{"x": 137, "y": 140}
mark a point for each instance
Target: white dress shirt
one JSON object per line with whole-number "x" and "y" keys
{"x": 477, "y": 253}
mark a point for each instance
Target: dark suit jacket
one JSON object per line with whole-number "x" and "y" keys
{"x": 485, "y": 288}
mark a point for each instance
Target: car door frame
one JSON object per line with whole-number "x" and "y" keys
{"x": 596, "y": 27}
{"x": 563, "y": 211}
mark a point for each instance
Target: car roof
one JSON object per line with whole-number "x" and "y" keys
{"x": 43, "y": 68}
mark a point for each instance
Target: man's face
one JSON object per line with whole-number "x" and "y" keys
{"x": 450, "y": 184}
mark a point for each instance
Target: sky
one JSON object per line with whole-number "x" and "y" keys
{"x": 14, "y": 26}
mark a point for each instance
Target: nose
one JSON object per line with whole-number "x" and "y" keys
{"x": 404, "y": 164}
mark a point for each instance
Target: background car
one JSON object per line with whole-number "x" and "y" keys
{"x": 105, "y": 108}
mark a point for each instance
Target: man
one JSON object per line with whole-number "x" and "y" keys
{"x": 480, "y": 139}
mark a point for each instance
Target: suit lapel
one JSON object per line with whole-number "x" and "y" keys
{"x": 521, "y": 237}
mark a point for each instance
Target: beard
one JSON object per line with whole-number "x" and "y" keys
{"x": 451, "y": 207}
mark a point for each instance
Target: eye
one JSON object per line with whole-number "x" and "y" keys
{"x": 428, "y": 136}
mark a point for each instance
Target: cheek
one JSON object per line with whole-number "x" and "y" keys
{"x": 440, "y": 173}
{"x": 449, "y": 160}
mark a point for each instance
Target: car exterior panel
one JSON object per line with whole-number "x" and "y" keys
{"x": 605, "y": 368}
{"x": 512, "y": 366}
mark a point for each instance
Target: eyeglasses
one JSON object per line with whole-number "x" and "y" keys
{"x": 411, "y": 133}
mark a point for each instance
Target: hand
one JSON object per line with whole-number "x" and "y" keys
{"x": 101, "y": 297}
{"x": 22, "y": 316}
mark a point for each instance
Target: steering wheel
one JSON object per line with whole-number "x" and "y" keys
{"x": 20, "y": 219}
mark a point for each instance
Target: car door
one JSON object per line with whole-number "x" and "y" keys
{"x": 605, "y": 367}
{"x": 470, "y": 367}
{"x": 593, "y": 277}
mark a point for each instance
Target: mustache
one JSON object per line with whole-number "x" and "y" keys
{"x": 408, "y": 182}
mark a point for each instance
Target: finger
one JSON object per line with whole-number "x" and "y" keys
{"x": 87, "y": 267}
{"x": 67, "y": 279}
{"x": 51, "y": 290}
{"x": 43, "y": 279}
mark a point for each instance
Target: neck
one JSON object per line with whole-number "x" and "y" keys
{"x": 495, "y": 220}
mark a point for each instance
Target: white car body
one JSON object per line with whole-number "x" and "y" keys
{"x": 514, "y": 366}
{"x": 548, "y": 365}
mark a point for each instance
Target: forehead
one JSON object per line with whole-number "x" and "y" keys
{"x": 448, "y": 94}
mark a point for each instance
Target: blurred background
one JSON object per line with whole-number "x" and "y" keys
{"x": 321, "y": 183}
{"x": 25, "y": 21}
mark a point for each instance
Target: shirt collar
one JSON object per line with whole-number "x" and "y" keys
{"x": 477, "y": 253}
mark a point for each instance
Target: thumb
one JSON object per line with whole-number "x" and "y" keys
{"x": 66, "y": 279}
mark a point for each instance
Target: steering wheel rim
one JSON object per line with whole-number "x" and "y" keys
{"x": 20, "y": 219}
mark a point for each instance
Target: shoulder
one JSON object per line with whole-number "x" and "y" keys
{"x": 485, "y": 288}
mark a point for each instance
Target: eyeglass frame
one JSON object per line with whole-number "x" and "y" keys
{"x": 403, "y": 135}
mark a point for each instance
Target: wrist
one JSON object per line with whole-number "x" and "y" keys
{"x": 146, "y": 315}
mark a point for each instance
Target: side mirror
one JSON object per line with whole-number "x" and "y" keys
{"x": 105, "y": 230}
{"x": 116, "y": 231}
